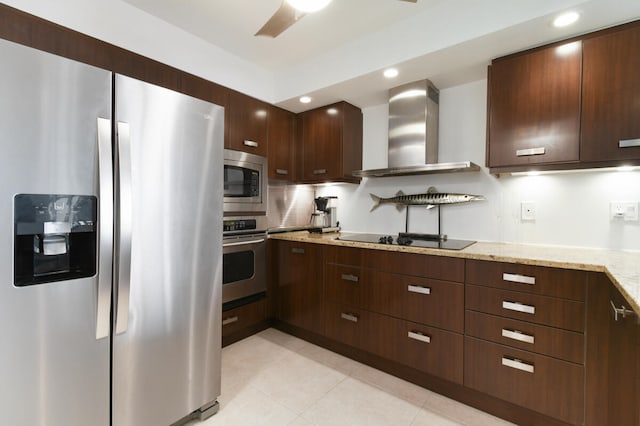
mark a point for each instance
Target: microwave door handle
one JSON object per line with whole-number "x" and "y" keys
{"x": 123, "y": 226}
{"x": 105, "y": 229}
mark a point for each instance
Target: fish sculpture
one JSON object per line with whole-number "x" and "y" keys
{"x": 431, "y": 199}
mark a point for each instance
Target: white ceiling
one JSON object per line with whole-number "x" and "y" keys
{"x": 339, "y": 52}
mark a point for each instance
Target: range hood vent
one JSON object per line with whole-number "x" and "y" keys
{"x": 413, "y": 134}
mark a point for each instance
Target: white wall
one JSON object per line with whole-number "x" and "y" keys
{"x": 572, "y": 208}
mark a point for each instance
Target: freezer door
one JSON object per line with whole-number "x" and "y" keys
{"x": 54, "y": 369}
{"x": 166, "y": 350}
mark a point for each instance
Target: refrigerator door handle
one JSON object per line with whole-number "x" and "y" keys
{"x": 123, "y": 226}
{"x": 105, "y": 230}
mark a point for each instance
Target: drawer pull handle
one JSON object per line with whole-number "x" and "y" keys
{"x": 519, "y": 307}
{"x": 628, "y": 143}
{"x": 419, "y": 289}
{"x": 296, "y": 250}
{"x": 252, "y": 144}
{"x": 320, "y": 171}
{"x": 349, "y": 317}
{"x": 229, "y": 320}
{"x": 517, "y": 335}
{"x": 350, "y": 277}
{"x": 530, "y": 151}
{"x": 282, "y": 171}
{"x": 416, "y": 335}
{"x": 517, "y": 364}
{"x": 516, "y": 278}
{"x": 621, "y": 312}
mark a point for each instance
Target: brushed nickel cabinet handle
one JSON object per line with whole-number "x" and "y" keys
{"x": 530, "y": 151}
{"x": 350, "y": 277}
{"x": 519, "y": 307}
{"x": 320, "y": 171}
{"x": 419, "y": 289}
{"x": 349, "y": 317}
{"x": 628, "y": 143}
{"x": 252, "y": 144}
{"x": 516, "y": 278}
{"x": 229, "y": 320}
{"x": 518, "y": 335}
{"x": 416, "y": 335}
{"x": 282, "y": 171}
{"x": 297, "y": 250}
{"x": 517, "y": 364}
{"x": 621, "y": 312}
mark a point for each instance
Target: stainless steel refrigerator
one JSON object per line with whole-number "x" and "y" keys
{"x": 110, "y": 249}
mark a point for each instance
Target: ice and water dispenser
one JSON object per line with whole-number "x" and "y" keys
{"x": 54, "y": 237}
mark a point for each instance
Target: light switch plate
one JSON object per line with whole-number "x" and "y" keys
{"x": 528, "y": 210}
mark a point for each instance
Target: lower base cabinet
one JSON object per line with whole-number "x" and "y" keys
{"x": 243, "y": 321}
{"x": 545, "y": 354}
{"x": 540, "y": 383}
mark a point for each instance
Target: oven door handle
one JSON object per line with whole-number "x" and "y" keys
{"x": 243, "y": 243}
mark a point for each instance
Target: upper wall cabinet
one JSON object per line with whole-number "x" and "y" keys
{"x": 534, "y": 115}
{"x": 246, "y": 128}
{"x": 281, "y": 137}
{"x": 331, "y": 143}
{"x": 569, "y": 105}
{"x": 611, "y": 96}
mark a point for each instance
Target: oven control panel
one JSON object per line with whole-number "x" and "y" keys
{"x": 239, "y": 225}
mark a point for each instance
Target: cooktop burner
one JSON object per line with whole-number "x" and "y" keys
{"x": 406, "y": 241}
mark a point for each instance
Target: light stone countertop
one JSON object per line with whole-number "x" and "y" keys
{"x": 622, "y": 267}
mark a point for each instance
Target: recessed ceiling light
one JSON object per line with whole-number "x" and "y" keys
{"x": 566, "y": 19}
{"x": 390, "y": 73}
{"x": 305, "y": 99}
{"x": 308, "y": 6}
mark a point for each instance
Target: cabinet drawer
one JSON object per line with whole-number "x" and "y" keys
{"x": 345, "y": 324}
{"x": 431, "y": 350}
{"x": 565, "y": 283}
{"x": 550, "y": 386}
{"x": 544, "y": 310}
{"x": 239, "y": 318}
{"x": 345, "y": 285}
{"x": 422, "y": 300}
{"x": 554, "y": 342}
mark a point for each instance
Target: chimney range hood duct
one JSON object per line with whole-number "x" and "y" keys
{"x": 413, "y": 134}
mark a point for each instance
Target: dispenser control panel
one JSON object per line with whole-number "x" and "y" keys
{"x": 55, "y": 238}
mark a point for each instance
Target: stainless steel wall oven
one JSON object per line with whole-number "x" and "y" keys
{"x": 244, "y": 252}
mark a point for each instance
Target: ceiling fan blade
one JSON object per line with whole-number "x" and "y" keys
{"x": 284, "y": 17}
{"x": 410, "y": 1}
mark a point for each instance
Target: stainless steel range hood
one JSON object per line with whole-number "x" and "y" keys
{"x": 413, "y": 134}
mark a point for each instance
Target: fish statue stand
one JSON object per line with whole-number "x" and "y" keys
{"x": 431, "y": 199}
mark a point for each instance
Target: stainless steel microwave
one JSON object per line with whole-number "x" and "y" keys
{"x": 245, "y": 182}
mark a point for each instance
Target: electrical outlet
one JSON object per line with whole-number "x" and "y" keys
{"x": 625, "y": 210}
{"x": 528, "y": 210}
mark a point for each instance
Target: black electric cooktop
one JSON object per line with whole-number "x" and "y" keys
{"x": 446, "y": 244}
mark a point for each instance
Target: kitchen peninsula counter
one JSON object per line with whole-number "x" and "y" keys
{"x": 622, "y": 267}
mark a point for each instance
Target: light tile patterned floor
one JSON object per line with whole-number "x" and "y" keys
{"x": 273, "y": 378}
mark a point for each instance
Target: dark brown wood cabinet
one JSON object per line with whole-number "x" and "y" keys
{"x": 246, "y": 124}
{"x": 415, "y": 320}
{"x": 243, "y": 321}
{"x": 299, "y": 281}
{"x": 282, "y": 149}
{"x": 569, "y": 105}
{"x": 525, "y": 336}
{"x": 534, "y": 114}
{"x": 611, "y": 96}
{"x": 331, "y": 139}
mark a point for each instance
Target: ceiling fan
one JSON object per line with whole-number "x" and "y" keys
{"x": 289, "y": 12}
